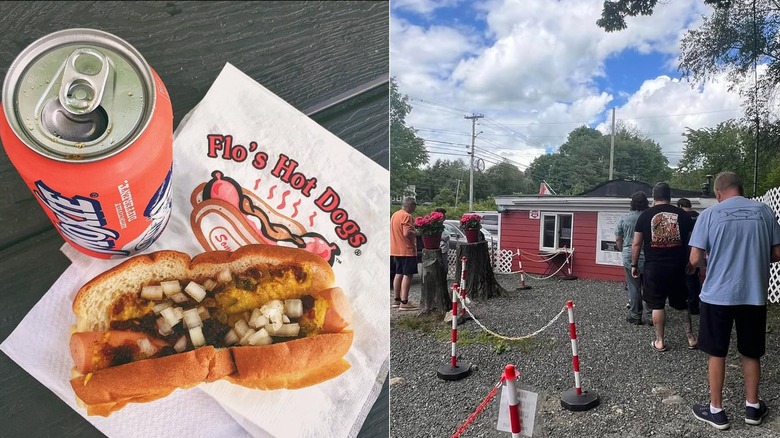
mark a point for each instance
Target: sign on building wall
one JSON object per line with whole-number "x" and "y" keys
{"x": 606, "y": 247}
{"x": 534, "y": 214}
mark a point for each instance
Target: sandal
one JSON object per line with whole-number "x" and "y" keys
{"x": 660, "y": 350}
{"x": 695, "y": 345}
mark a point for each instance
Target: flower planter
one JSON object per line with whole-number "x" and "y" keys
{"x": 472, "y": 235}
{"x": 431, "y": 241}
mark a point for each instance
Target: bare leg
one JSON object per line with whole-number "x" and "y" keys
{"x": 659, "y": 317}
{"x": 397, "y": 285}
{"x": 751, "y": 368}
{"x": 688, "y": 330}
{"x": 406, "y": 284}
{"x": 716, "y": 374}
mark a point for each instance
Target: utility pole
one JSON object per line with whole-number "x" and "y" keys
{"x": 612, "y": 147}
{"x": 473, "y": 119}
{"x": 457, "y": 192}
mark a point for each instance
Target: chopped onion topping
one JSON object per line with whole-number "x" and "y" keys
{"x": 147, "y": 349}
{"x": 224, "y": 276}
{"x": 245, "y": 339}
{"x": 179, "y": 312}
{"x": 192, "y": 318}
{"x": 163, "y": 327}
{"x": 196, "y": 291}
{"x": 181, "y": 344}
{"x": 170, "y": 316}
{"x": 179, "y": 298}
{"x": 170, "y": 288}
{"x": 260, "y": 337}
{"x": 231, "y": 337}
{"x": 152, "y": 293}
{"x": 241, "y": 328}
{"x": 258, "y": 320}
{"x": 204, "y": 313}
{"x": 293, "y": 308}
{"x": 157, "y": 308}
{"x": 285, "y": 319}
{"x": 196, "y": 336}
{"x": 286, "y": 330}
{"x": 209, "y": 284}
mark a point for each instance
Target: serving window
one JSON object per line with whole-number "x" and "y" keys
{"x": 555, "y": 231}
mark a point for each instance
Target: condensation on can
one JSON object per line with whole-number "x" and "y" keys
{"x": 89, "y": 126}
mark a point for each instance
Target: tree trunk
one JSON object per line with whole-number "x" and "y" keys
{"x": 435, "y": 293}
{"x": 480, "y": 281}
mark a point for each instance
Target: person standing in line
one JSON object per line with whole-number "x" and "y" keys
{"x": 740, "y": 237}
{"x": 662, "y": 232}
{"x": 625, "y": 227}
{"x": 403, "y": 249}
{"x": 692, "y": 281}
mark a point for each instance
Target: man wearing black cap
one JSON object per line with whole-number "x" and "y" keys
{"x": 663, "y": 231}
{"x": 692, "y": 280}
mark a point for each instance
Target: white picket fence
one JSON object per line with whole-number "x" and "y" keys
{"x": 772, "y": 199}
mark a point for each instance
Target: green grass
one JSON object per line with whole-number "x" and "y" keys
{"x": 433, "y": 325}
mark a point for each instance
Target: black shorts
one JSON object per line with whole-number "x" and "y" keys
{"x": 715, "y": 329}
{"x": 405, "y": 265}
{"x": 664, "y": 282}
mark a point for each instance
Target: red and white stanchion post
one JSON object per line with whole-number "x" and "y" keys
{"x": 523, "y": 286}
{"x": 568, "y": 275}
{"x": 463, "y": 286}
{"x": 510, "y": 375}
{"x": 453, "y": 370}
{"x": 576, "y": 399}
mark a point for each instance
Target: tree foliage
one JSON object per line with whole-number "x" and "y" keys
{"x": 731, "y": 146}
{"x": 583, "y": 161}
{"x": 614, "y": 13}
{"x": 407, "y": 151}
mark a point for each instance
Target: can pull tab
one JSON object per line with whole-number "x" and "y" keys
{"x": 83, "y": 81}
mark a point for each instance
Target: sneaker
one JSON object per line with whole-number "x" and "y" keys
{"x": 719, "y": 421}
{"x": 396, "y": 303}
{"x": 635, "y": 321}
{"x": 755, "y": 416}
{"x": 407, "y": 307}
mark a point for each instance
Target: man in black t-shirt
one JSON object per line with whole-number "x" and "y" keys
{"x": 662, "y": 232}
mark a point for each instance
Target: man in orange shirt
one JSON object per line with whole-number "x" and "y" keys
{"x": 403, "y": 250}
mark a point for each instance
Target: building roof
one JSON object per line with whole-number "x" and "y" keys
{"x": 618, "y": 188}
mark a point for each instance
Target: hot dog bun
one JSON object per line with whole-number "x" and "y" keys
{"x": 112, "y": 298}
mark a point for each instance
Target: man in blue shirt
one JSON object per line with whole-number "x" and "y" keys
{"x": 741, "y": 238}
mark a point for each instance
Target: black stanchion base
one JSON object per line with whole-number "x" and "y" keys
{"x": 447, "y": 372}
{"x": 582, "y": 402}
{"x": 526, "y": 287}
{"x": 569, "y": 277}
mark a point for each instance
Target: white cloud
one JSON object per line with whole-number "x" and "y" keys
{"x": 421, "y": 7}
{"x": 534, "y": 67}
{"x": 663, "y": 108}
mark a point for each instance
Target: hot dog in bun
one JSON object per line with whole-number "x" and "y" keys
{"x": 264, "y": 316}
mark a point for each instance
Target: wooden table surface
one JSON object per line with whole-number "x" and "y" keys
{"x": 312, "y": 54}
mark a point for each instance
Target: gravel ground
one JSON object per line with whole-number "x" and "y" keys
{"x": 642, "y": 392}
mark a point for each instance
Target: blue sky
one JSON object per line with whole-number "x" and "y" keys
{"x": 537, "y": 69}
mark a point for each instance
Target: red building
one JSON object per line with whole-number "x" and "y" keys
{"x": 546, "y": 230}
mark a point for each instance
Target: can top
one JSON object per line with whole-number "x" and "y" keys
{"x": 79, "y": 95}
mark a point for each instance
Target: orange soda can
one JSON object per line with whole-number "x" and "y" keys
{"x": 89, "y": 126}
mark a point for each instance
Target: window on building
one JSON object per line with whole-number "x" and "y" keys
{"x": 555, "y": 230}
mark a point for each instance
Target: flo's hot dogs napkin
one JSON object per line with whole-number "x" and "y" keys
{"x": 249, "y": 168}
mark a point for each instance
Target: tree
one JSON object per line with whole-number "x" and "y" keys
{"x": 582, "y": 161}
{"x": 505, "y": 179}
{"x": 445, "y": 197}
{"x": 407, "y": 151}
{"x": 613, "y": 16}
{"x": 729, "y": 146}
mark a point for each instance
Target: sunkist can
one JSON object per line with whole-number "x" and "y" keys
{"x": 89, "y": 126}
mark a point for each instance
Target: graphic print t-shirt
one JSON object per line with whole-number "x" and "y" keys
{"x": 665, "y": 230}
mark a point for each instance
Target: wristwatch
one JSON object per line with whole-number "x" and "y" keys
{"x": 634, "y": 266}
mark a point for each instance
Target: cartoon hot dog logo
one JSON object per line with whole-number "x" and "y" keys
{"x": 226, "y": 216}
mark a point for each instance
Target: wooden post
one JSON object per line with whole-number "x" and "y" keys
{"x": 435, "y": 293}
{"x": 480, "y": 281}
